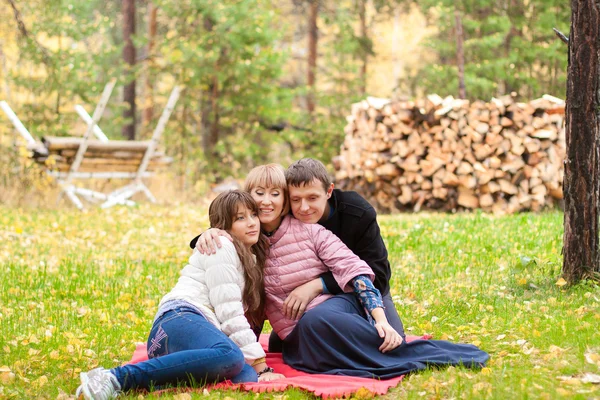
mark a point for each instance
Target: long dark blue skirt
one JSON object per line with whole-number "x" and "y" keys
{"x": 336, "y": 338}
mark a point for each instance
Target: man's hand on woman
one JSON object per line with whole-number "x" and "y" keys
{"x": 391, "y": 338}
{"x": 209, "y": 241}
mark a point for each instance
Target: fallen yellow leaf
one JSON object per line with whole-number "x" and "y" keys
{"x": 364, "y": 393}
{"x": 561, "y": 282}
{"x": 41, "y": 381}
{"x": 592, "y": 358}
{"x": 555, "y": 349}
{"x": 6, "y": 375}
{"x": 569, "y": 380}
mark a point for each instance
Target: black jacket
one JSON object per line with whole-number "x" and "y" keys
{"x": 354, "y": 221}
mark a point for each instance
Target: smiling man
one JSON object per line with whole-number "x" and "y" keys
{"x": 350, "y": 217}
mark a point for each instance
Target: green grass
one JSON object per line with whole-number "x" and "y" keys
{"x": 78, "y": 290}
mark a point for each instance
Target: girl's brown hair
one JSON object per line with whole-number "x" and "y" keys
{"x": 269, "y": 176}
{"x": 221, "y": 214}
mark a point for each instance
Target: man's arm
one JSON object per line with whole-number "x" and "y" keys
{"x": 369, "y": 247}
{"x": 208, "y": 242}
{"x": 194, "y": 241}
{"x": 330, "y": 284}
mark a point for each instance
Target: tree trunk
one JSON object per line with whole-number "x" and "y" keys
{"x": 313, "y": 38}
{"x": 149, "y": 92}
{"x": 362, "y": 12}
{"x": 460, "y": 56}
{"x": 128, "y": 11}
{"x": 210, "y": 108}
{"x": 581, "y": 181}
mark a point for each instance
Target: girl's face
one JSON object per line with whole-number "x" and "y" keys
{"x": 270, "y": 203}
{"x": 246, "y": 226}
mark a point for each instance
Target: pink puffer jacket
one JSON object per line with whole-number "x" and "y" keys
{"x": 300, "y": 253}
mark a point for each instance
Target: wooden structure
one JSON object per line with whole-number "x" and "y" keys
{"x": 30, "y": 142}
{"x": 84, "y": 159}
{"x": 34, "y": 145}
{"x": 449, "y": 154}
{"x": 71, "y": 159}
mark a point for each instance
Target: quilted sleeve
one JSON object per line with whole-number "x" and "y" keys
{"x": 338, "y": 258}
{"x": 224, "y": 279}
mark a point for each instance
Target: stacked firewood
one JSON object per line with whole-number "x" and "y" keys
{"x": 449, "y": 154}
{"x": 58, "y": 153}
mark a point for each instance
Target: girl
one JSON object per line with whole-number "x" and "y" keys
{"x": 201, "y": 332}
{"x": 346, "y": 334}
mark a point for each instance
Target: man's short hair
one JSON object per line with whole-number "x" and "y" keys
{"x": 306, "y": 170}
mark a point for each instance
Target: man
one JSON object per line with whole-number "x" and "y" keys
{"x": 350, "y": 217}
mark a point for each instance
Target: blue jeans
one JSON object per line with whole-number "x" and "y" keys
{"x": 183, "y": 349}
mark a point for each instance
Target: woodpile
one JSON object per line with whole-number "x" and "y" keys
{"x": 451, "y": 154}
{"x": 58, "y": 153}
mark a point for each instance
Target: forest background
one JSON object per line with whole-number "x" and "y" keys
{"x": 264, "y": 81}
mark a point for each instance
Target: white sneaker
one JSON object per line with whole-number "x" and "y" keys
{"x": 98, "y": 384}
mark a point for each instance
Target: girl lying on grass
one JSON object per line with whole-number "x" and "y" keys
{"x": 346, "y": 334}
{"x": 201, "y": 332}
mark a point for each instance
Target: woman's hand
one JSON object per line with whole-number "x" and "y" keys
{"x": 391, "y": 338}
{"x": 209, "y": 241}
{"x": 297, "y": 301}
{"x": 270, "y": 376}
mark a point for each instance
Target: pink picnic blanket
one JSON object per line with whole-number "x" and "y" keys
{"x": 326, "y": 386}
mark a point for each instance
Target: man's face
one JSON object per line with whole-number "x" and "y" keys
{"x": 309, "y": 202}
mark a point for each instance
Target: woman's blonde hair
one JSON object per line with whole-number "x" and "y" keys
{"x": 269, "y": 176}
{"x": 222, "y": 213}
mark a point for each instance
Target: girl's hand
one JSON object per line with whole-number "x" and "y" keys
{"x": 270, "y": 376}
{"x": 391, "y": 338}
{"x": 209, "y": 241}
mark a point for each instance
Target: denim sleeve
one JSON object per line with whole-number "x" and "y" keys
{"x": 325, "y": 289}
{"x": 330, "y": 284}
{"x": 368, "y": 295}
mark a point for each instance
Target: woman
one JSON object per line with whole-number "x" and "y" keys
{"x": 345, "y": 334}
{"x": 201, "y": 332}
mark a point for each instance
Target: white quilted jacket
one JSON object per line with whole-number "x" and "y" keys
{"x": 214, "y": 284}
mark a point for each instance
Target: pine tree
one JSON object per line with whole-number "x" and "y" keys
{"x": 582, "y": 166}
{"x": 508, "y": 46}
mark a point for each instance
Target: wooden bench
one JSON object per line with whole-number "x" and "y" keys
{"x": 81, "y": 158}
{"x": 85, "y": 159}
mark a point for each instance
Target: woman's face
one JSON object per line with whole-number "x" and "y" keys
{"x": 246, "y": 226}
{"x": 270, "y": 203}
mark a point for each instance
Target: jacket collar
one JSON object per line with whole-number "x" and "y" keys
{"x": 285, "y": 224}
